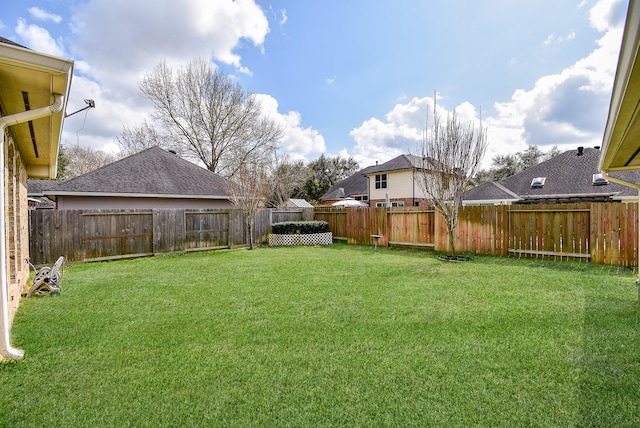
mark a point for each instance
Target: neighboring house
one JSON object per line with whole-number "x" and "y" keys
{"x": 355, "y": 186}
{"x": 395, "y": 182}
{"x": 572, "y": 176}
{"x": 152, "y": 178}
{"x": 37, "y": 199}
{"x": 34, "y": 88}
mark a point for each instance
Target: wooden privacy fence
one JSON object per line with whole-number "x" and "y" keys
{"x": 600, "y": 232}
{"x": 111, "y": 234}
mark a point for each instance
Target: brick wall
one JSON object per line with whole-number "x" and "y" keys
{"x": 17, "y": 222}
{"x": 408, "y": 202}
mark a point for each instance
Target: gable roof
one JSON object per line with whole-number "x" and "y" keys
{"x": 569, "y": 175}
{"x": 398, "y": 163}
{"x": 11, "y": 42}
{"x": 150, "y": 173}
{"x": 355, "y": 184}
{"x": 299, "y": 203}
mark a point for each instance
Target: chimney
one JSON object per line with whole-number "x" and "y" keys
{"x": 580, "y": 151}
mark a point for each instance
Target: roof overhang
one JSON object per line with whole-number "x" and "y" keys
{"x": 621, "y": 142}
{"x": 29, "y": 80}
{"x": 52, "y": 194}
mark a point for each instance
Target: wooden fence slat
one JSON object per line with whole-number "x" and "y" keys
{"x": 112, "y": 234}
{"x": 602, "y": 232}
{"x": 599, "y": 232}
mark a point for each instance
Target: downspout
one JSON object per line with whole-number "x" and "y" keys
{"x": 6, "y": 350}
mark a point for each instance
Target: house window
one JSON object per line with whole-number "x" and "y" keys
{"x": 381, "y": 181}
{"x": 398, "y": 204}
{"x": 380, "y": 204}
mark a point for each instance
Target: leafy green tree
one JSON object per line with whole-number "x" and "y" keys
{"x": 326, "y": 171}
{"x": 529, "y": 157}
{"x": 503, "y": 166}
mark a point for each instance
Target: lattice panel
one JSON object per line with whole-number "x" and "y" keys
{"x": 310, "y": 239}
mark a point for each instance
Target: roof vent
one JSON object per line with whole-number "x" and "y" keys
{"x": 538, "y": 182}
{"x": 580, "y": 150}
{"x": 599, "y": 180}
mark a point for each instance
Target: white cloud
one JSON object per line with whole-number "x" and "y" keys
{"x": 297, "y": 141}
{"x": 567, "y": 109}
{"x": 402, "y": 131}
{"x": 606, "y": 14}
{"x": 549, "y": 39}
{"x": 553, "y": 39}
{"x": 118, "y": 41}
{"x": 98, "y": 127}
{"x": 43, "y": 15}
{"x": 39, "y": 39}
{"x": 178, "y": 31}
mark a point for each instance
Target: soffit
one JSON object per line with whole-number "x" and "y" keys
{"x": 28, "y": 81}
{"x": 621, "y": 143}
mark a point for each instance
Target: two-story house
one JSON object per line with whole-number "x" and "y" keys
{"x": 395, "y": 183}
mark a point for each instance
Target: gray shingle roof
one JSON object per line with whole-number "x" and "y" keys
{"x": 11, "y": 42}
{"x": 398, "y": 163}
{"x": 150, "y": 172}
{"x": 355, "y": 184}
{"x": 566, "y": 174}
{"x": 37, "y": 188}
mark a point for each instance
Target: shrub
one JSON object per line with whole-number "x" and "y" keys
{"x": 300, "y": 227}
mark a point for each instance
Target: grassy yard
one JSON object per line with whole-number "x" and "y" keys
{"x": 331, "y": 336}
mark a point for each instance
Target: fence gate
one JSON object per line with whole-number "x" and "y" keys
{"x": 109, "y": 235}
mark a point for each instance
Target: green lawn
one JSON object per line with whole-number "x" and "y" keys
{"x": 328, "y": 336}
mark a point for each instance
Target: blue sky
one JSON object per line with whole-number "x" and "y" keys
{"x": 352, "y": 78}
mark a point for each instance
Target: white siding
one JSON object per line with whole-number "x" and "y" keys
{"x": 399, "y": 186}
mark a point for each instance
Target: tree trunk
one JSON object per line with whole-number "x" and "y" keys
{"x": 250, "y": 229}
{"x": 452, "y": 241}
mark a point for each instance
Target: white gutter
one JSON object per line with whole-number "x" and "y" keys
{"x": 619, "y": 181}
{"x": 6, "y": 350}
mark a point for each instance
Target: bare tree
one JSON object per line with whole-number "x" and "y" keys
{"x": 212, "y": 118}
{"x": 80, "y": 160}
{"x": 249, "y": 190}
{"x": 451, "y": 156}
{"x": 141, "y": 137}
{"x": 287, "y": 180}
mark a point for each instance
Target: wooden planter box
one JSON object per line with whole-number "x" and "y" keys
{"x": 277, "y": 240}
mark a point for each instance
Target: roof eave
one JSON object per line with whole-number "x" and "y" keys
{"x": 620, "y": 148}
{"x": 55, "y": 76}
{"x": 55, "y": 194}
